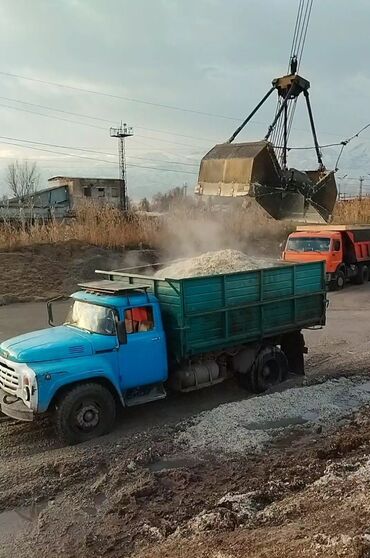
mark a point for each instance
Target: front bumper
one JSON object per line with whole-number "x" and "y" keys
{"x": 14, "y": 407}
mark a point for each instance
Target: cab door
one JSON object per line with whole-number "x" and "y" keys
{"x": 336, "y": 254}
{"x": 143, "y": 359}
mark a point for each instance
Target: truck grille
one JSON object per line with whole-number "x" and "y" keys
{"x": 9, "y": 380}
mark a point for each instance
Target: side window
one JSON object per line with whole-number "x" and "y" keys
{"x": 139, "y": 319}
{"x": 336, "y": 246}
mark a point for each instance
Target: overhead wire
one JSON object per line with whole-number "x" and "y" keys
{"x": 120, "y": 97}
{"x": 97, "y": 118}
{"x": 150, "y": 138}
{"x": 342, "y": 145}
{"x": 94, "y": 158}
{"x": 99, "y": 152}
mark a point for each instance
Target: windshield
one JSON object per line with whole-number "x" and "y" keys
{"x": 91, "y": 317}
{"x": 308, "y": 244}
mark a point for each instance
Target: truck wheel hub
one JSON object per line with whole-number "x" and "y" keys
{"x": 270, "y": 373}
{"x": 88, "y": 417}
{"x": 266, "y": 372}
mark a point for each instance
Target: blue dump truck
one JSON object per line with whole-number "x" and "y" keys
{"x": 130, "y": 338}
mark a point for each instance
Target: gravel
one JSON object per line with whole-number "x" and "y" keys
{"x": 211, "y": 263}
{"x": 250, "y": 425}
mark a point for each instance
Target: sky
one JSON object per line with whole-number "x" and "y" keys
{"x": 183, "y": 74}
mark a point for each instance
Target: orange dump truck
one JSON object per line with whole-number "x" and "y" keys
{"x": 344, "y": 248}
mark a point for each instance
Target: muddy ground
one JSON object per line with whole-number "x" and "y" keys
{"x": 140, "y": 492}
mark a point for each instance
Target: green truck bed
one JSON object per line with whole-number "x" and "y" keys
{"x": 208, "y": 313}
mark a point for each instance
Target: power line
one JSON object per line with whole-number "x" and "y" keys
{"x": 113, "y": 96}
{"x": 139, "y": 127}
{"x": 93, "y": 151}
{"x": 96, "y": 159}
{"x": 336, "y": 144}
{"x": 150, "y": 138}
{"x": 97, "y": 118}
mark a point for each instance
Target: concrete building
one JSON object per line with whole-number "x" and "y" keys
{"x": 63, "y": 196}
{"x": 104, "y": 190}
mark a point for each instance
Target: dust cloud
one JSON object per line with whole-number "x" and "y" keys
{"x": 247, "y": 228}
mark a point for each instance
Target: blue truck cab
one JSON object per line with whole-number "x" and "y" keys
{"x": 129, "y": 337}
{"x": 111, "y": 347}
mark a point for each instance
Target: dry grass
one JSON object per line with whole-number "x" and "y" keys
{"x": 96, "y": 225}
{"x": 186, "y": 230}
{"x": 352, "y": 211}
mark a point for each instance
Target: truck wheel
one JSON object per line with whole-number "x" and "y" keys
{"x": 339, "y": 281}
{"x": 362, "y": 276}
{"x": 365, "y": 274}
{"x": 269, "y": 369}
{"x": 85, "y": 412}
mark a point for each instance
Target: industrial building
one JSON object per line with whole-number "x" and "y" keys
{"x": 63, "y": 197}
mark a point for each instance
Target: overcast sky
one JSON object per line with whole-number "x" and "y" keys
{"x": 209, "y": 56}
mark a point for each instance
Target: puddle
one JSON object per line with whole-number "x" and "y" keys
{"x": 17, "y": 519}
{"x": 277, "y": 423}
{"x": 173, "y": 463}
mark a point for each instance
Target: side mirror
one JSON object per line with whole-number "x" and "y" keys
{"x": 49, "y": 306}
{"x": 121, "y": 333}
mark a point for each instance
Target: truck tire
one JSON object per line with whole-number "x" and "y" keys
{"x": 339, "y": 281}
{"x": 362, "y": 276}
{"x": 85, "y": 412}
{"x": 269, "y": 369}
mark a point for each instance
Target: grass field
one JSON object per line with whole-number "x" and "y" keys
{"x": 185, "y": 230}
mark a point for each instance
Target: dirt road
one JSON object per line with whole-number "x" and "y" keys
{"x": 142, "y": 492}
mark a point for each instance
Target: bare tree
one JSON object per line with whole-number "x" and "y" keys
{"x": 144, "y": 205}
{"x": 23, "y": 178}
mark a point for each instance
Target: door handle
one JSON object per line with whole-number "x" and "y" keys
{"x": 156, "y": 338}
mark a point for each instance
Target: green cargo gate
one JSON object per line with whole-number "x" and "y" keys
{"x": 207, "y": 313}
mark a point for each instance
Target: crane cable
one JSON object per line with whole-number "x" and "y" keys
{"x": 296, "y": 50}
{"x": 278, "y": 132}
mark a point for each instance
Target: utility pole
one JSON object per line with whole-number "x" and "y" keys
{"x": 122, "y": 133}
{"x": 362, "y": 178}
{"x": 340, "y": 178}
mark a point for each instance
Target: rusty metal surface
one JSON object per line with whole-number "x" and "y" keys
{"x": 231, "y": 169}
{"x": 325, "y": 192}
{"x": 251, "y": 169}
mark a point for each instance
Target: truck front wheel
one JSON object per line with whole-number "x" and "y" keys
{"x": 85, "y": 412}
{"x": 339, "y": 281}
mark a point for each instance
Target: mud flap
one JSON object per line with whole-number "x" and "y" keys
{"x": 293, "y": 346}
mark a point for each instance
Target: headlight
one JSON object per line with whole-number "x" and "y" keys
{"x": 28, "y": 385}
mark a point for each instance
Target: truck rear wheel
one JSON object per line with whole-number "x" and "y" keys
{"x": 362, "y": 276}
{"x": 269, "y": 369}
{"x": 85, "y": 412}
